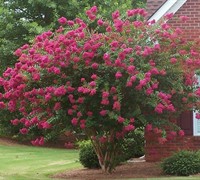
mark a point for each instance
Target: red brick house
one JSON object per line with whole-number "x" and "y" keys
{"x": 187, "y": 121}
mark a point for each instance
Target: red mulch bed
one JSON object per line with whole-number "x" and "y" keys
{"x": 127, "y": 170}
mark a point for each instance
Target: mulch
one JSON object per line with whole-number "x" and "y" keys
{"x": 126, "y": 170}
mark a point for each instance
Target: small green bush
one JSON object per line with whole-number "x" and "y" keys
{"x": 182, "y": 163}
{"x": 133, "y": 145}
{"x": 87, "y": 155}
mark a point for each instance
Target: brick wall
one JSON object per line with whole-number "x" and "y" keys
{"x": 153, "y": 150}
{"x": 191, "y": 9}
{"x": 156, "y": 152}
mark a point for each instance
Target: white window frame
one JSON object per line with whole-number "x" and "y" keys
{"x": 196, "y": 122}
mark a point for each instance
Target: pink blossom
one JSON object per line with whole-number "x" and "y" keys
{"x": 74, "y": 121}
{"x": 45, "y": 125}
{"x": 34, "y": 120}
{"x": 79, "y": 114}
{"x": 159, "y": 108}
{"x": 93, "y": 9}
{"x": 171, "y": 108}
{"x": 197, "y": 115}
{"x": 57, "y": 106}
{"x": 92, "y": 83}
{"x": 108, "y": 29}
{"x": 2, "y": 105}
{"x": 120, "y": 119}
{"x": 118, "y": 75}
{"x": 117, "y": 106}
{"x": 103, "y": 112}
{"x": 156, "y": 130}
{"x": 155, "y": 85}
{"x": 48, "y": 97}
{"x": 82, "y": 126}
{"x": 105, "y": 94}
{"x": 183, "y": 18}
{"x": 18, "y": 52}
{"x": 95, "y": 66}
{"x": 89, "y": 113}
{"x": 113, "y": 90}
{"x": 102, "y": 139}
{"x": 154, "y": 71}
{"x": 173, "y": 60}
{"x": 93, "y": 92}
{"x": 149, "y": 91}
{"x": 75, "y": 107}
{"x": 36, "y": 77}
{"x": 70, "y": 23}
{"x": 94, "y": 76}
{"x": 118, "y": 24}
{"x": 70, "y": 112}
{"x": 131, "y": 69}
{"x": 60, "y": 91}
{"x": 115, "y": 14}
{"x": 106, "y": 56}
{"x": 162, "y": 140}
{"x": 173, "y": 133}
{"x": 23, "y": 131}
{"x": 181, "y": 133}
{"x": 38, "y": 141}
{"x": 80, "y": 100}
{"x": 105, "y": 102}
{"x": 149, "y": 127}
{"x": 132, "y": 120}
{"x": 100, "y": 22}
{"x": 129, "y": 127}
{"x": 129, "y": 84}
{"x": 169, "y": 15}
{"x": 133, "y": 78}
{"x": 27, "y": 123}
{"x": 62, "y": 20}
{"x": 15, "y": 122}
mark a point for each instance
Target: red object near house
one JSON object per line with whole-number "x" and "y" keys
{"x": 187, "y": 121}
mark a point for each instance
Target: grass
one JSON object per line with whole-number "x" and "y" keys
{"x": 26, "y": 162}
{"x": 33, "y": 163}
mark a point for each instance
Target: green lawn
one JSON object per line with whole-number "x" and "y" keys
{"x": 26, "y": 162}
{"x": 33, "y": 163}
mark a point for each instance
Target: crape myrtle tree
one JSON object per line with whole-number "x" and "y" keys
{"x": 21, "y": 21}
{"x": 133, "y": 74}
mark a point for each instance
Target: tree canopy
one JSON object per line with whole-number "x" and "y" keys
{"x": 21, "y": 20}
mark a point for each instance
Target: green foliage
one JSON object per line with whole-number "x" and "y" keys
{"x": 133, "y": 145}
{"x": 182, "y": 163}
{"x": 87, "y": 155}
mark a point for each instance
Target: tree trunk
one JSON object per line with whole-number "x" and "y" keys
{"x": 106, "y": 156}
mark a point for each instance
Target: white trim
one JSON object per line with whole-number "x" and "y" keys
{"x": 170, "y": 6}
{"x": 196, "y": 122}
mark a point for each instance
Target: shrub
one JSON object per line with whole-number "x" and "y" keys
{"x": 87, "y": 155}
{"x": 133, "y": 145}
{"x": 182, "y": 163}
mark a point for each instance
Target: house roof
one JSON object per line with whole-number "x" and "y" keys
{"x": 167, "y": 6}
